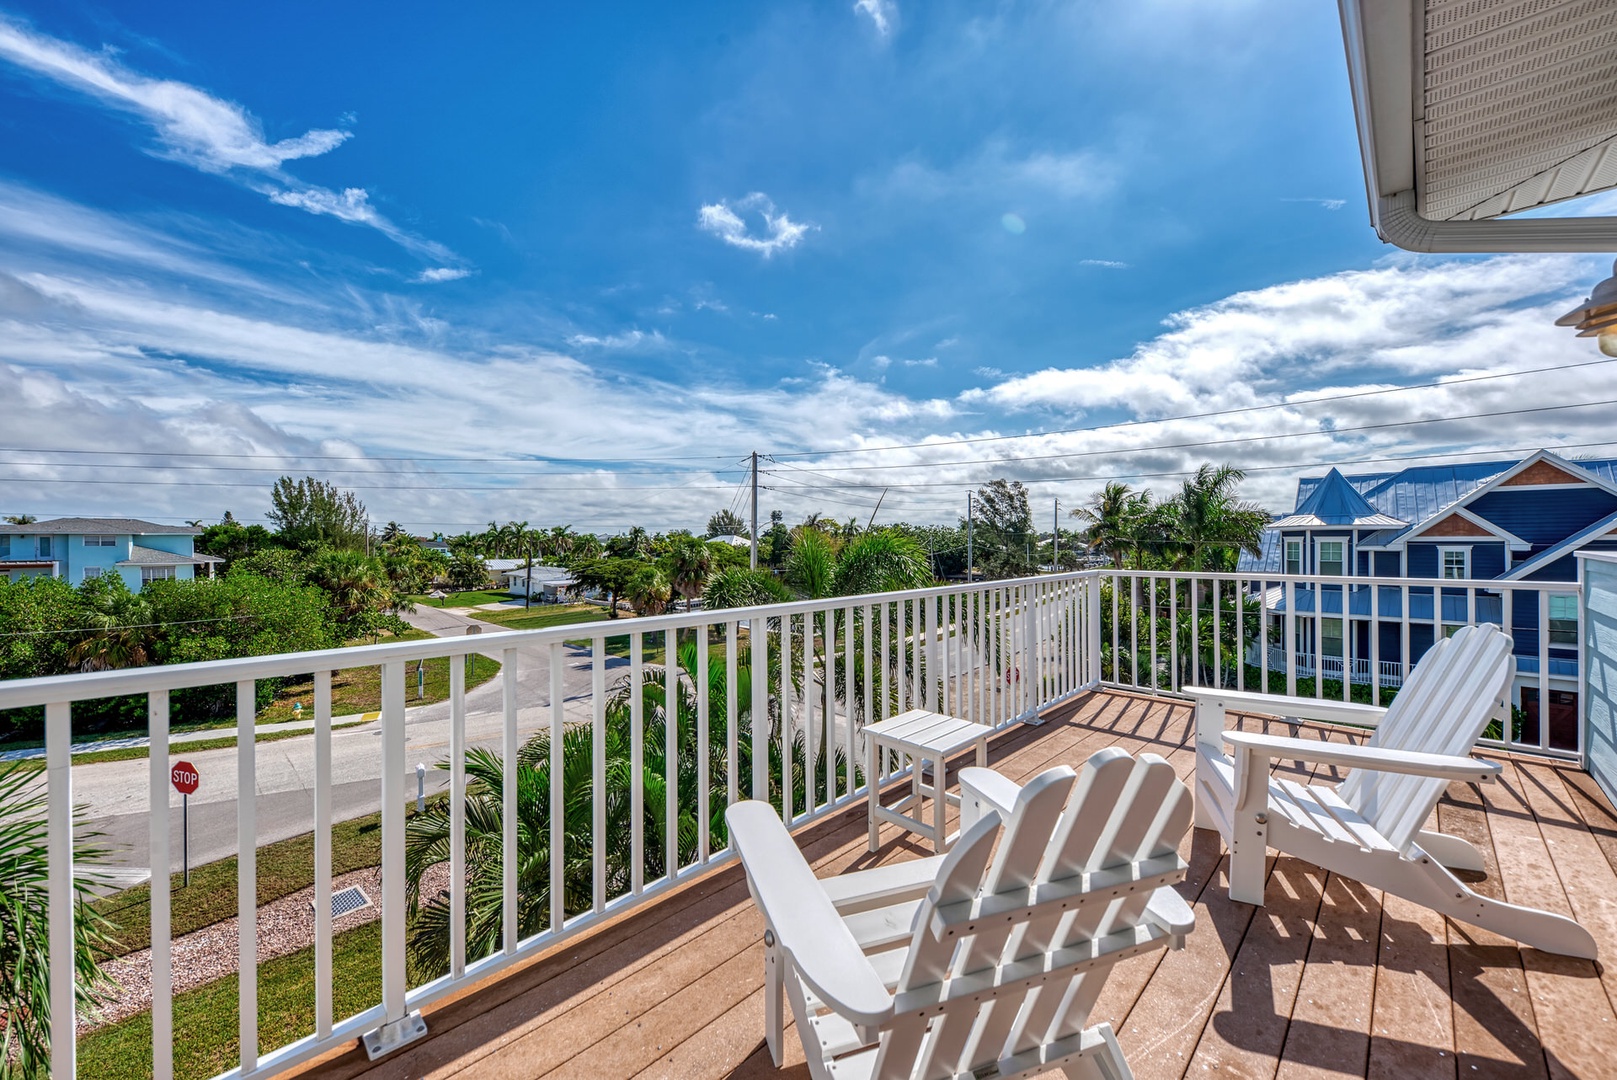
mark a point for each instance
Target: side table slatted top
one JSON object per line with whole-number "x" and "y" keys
{"x": 922, "y": 737}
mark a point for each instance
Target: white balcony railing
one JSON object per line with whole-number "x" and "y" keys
{"x": 1391, "y": 673}
{"x": 996, "y": 652}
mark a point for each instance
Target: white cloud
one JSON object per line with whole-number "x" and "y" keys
{"x": 882, "y": 13}
{"x": 930, "y": 361}
{"x": 999, "y": 173}
{"x": 725, "y": 221}
{"x": 629, "y": 339}
{"x": 1327, "y": 204}
{"x": 192, "y": 125}
{"x": 1104, "y": 264}
{"x": 441, "y": 273}
{"x": 201, "y": 130}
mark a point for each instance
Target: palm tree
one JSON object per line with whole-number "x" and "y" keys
{"x": 648, "y": 591}
{"x": 1114, "y": 515}
{"x": 354, "y": 581}
{"x": 119, "y": 631}
{"x": 25, "y": 998}
{"x": 689, "y": 562}
{"x": 427, "y": 836}
{"x": 1209, "y": 520}
{"x": 20, "y": 519}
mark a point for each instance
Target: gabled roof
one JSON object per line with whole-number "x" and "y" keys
{"x": 1458, "y": 523}
{"x": 145, "y": 556}
{"x": 1333, "y": 501}
{"x": 1570, "y": 544}
{"x": 1468, "y": 111}
{"x": 74, "y": 526}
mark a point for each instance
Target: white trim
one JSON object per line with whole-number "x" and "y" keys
{"x": 1285, "y": 555}
{"x": 1511, "y": 540}
{"x": 1347, "y": 555}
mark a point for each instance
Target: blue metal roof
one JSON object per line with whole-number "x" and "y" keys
{"x": 1333, "y": 501}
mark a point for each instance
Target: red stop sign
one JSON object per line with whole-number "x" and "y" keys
{"x": 185, "y": 777}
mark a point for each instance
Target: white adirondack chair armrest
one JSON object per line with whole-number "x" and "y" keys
{"x": 1169, "y": 911}
{"x": 1302, "y": 708}
{"x": 1252, "y": 744}
{"x": 990, "y": 789}
{"x": 803, "y": 919}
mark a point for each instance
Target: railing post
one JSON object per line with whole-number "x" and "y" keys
{"x": 59, "y": 883}
{"x": 1033, "y": 697}
{"x": 162, "y": 933}
{"x": 397, "y": 1028}
{"x": 247, "y": 873}
{"x": 1092, "y": 644}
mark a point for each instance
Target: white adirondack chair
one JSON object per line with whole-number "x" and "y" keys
{"x": 1371, "y": 826}
{"x": 981, "y": 962}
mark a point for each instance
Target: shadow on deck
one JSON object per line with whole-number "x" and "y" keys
{"x": 1328, "y": 979}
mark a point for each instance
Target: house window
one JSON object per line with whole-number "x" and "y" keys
{"x": 44, "y": 547}
{"x": 100, "y": 541}
{"x": 150, "y": 574}
{"x": 1294, "y": 556}
{"x": 91, "y": 572}
{"x": 1455, "y": 563}
{"x": 5, "y": 547}
{"x": 1330, "y": 635}
{"x": 1332, "y": 558}
{"x": 1563, "y": 620}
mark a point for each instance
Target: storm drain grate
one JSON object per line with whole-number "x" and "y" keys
{"x": 346, "y": 901}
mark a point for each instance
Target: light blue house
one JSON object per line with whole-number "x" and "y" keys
{"x": 81, "y": 548}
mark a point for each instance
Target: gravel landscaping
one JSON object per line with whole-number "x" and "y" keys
{"x": 284, "y": 927}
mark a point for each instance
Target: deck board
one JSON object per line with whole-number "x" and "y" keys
{"x": 1329, "y": 978}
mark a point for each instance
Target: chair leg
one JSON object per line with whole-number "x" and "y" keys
{"x": 774, "y": 1003}
{"x": 1428, "y": 883}
{"x": 1105, "y": 1063}
{"x": 1248, "y": 861}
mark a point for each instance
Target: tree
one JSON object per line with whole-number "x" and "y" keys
{"x": 120, "y": 631}
{"x": 312, "y": 513}
{"x": 1210, "y": 524}
{"x": 688, "y": 563}
{"x": 1113, "y": 518}
{"x": 231, "y": 540}
{"x": 726, "y": 523}
{"x": 25, "y": 997}
{"x": 738, "y": 586}
{"x": 394, "y": 532}
{"x": 1004, "y": 536}
{"x": 610, "y": 575}
{"x": 20, "y": 519}
{"x": 467, "y": 570}
{"x": 647, "y": 590}
{"x": 634, "y": 544}
{"x": 357, "y": 586}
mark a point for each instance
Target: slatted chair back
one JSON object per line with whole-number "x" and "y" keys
{"x": 1459, "y": 685}
{"x": 1012, "y": 946}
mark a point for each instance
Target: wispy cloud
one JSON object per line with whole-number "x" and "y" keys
{"x": 883, "y": 13}
{"x": 440, "y": 274}
{"x": 930, "y": 361}
{"x": 1104, "y": 264}
{"x": 998, "y": 172}
{"x": 629, "y": 339}
{"x": 780, "y": 232}
{"x": 198, "y": 129}
{"x": 1328, "y": 204}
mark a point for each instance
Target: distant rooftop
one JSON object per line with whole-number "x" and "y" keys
{"x": 96, "y": 527}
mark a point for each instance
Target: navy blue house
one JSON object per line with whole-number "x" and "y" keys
{"x": 1499, "y": 522}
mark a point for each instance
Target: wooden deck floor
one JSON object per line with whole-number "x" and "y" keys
{"x": 1328, "y": 979}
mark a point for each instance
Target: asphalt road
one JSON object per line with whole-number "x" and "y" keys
{"x": 114, "y": 794}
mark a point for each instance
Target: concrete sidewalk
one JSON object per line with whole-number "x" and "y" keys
{"x": 99, "y": 745}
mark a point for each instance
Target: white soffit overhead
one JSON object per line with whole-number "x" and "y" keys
{"x": 1470, "y": 109}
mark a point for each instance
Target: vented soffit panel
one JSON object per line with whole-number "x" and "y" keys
{"x": 1472, "y": 109}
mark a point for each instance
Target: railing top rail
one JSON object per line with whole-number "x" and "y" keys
{"x": 1267, "y": 577}
{"x": 20, "y": 693}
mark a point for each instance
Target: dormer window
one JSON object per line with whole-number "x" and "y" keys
{"x": 1456, "y": 563}
{"x": 1294, "y": 556}
{"x": 1332, "y": 558}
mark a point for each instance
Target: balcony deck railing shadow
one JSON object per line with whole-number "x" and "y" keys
{"x": 765, "y": 702}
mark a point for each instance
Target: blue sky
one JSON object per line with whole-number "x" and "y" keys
{"x": 570, "y": 263}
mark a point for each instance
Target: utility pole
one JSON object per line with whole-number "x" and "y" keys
{"x": 968, "y": 537}
{"x": 755, "y": 509}
{"x": 1055, "y": 559}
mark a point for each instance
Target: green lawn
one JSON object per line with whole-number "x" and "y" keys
{"x": 359, "y": 690}
{"x": 133, "y": 753}
{"x": 205, "y": 1024}
{"x": 463, "y": 599}
{"x": 283, "y": 868}
{"x": 541, "y": 616}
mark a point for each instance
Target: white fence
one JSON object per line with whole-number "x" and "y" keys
{"x": 1391, "y": 673}
{"x": 779, "y": 695}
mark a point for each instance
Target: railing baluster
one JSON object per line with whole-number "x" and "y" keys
{"x": 508, "y": 802}
{"x": 160, "y": 888}
{"x": 247, "y": 875}
{"x": 322, "y": 852}
{"x": 457, "y": 813}
{"x": 1173, "y": 630}
{"x": 558, "y": 814}
{"x": 732, "y": 766}
{"x": 828, "y": 669}
{"x": 1543, "y": 671}
{"x": 671, "y": 753}
{"x": 758, "y": 641}
{"x": 850, "y": 760}
{"x": 59, "y": 884}
{"x": 869, "y": 711}
{"x": 787, "y": 693}
{"x": 637, "y": 758}
{"x": 810, "y": 743}
{"x": 598, "y": 770}
{"x": 1406, "y": 661}
{"x": 1375, "y": 644}
{"x": 1288, "y": 645}
{"x": 1156, "y": 680}
{"x": 394, "y": 979}
{"x": 704, "y": 747}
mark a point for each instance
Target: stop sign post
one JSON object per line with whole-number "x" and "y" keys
{"x": 185, "y": 778}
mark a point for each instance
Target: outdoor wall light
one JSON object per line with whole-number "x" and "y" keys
{"x": 1597, "y": 316}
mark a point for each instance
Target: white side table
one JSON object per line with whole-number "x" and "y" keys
{"x": 922, "y": 737}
